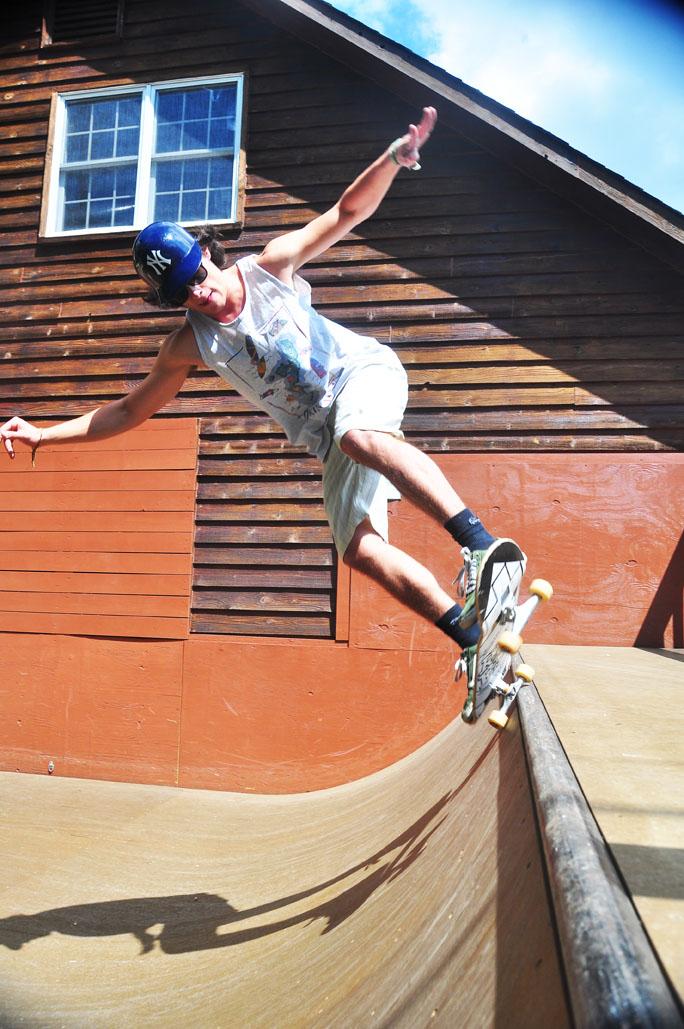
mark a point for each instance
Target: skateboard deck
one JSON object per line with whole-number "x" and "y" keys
{"x": 498, "y": 585}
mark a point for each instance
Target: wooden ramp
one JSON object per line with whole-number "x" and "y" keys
{"x": 416, "y": 896}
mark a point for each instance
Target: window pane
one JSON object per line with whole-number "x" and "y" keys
{"x": 75, "y": 215}
{"x": 125, "y": 180}
{"x": 197, "y": 104}
{"x": 77, "y": 148}
{"x": 123, "y": 211}
{"x": 78, "y": 116}
{"x": 169, "y": 106}
{"x": 102, "y": 146}
{"x": 99, "y": 129}
{"x": 129, "y": 112}
{"x": 223, "y": 102}
{"x": 194, "y": 135}
{"x": 221, "y": 133}
{"x": 127, "y": 142}
{"x": 220, "y": 171}
{"x": 100, "y": 214}
{"x": 166, "y": 207}
{"x": 102, "y": 183}
{"x": 193, "y": 206}
{"x": 169, "y": 176}
{"x": 104, "y": 114}
{"x": 195, "y": 174}
{"x": 168, "y": 138}
{"x": 76, "y": 186}
{"x": 195, "y": 119}
{"x": 219, "y": 205}
{"x": 194, "y": 189}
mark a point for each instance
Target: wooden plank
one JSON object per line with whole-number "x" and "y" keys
{"x": 298, "y": 555}
{"x": 576, "y": 442}
{"x": 268, "y": 534}
{"x": 159, "y": 565}
{"x": 275, "y": 466}
{"x": 266, "y": 625}
{"x": 53, "y": 458}
{"x": 265, "y": 578}
{"x": 140, "y": 583}
{"x": 103, "y": 522}
{"x": 165, "y": 501}
{"x": 520, "y": 419}
{"x": 114, "y": 542}
{"x": 257, "y": 600}
{"x": 282, "y": 489}
{"x": 130, "y": 606}
{"x": 95, "y": 625}
{"x": 37, "y": 480}
{"x": 489, "y": 375}
{"x": 260, "y": 512}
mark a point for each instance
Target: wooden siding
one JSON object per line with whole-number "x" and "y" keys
{"x": 97, "y": 539}
{"x": 524, "y": 324}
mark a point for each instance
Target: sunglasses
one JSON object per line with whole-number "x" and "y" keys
{"x": 178, "y": 299}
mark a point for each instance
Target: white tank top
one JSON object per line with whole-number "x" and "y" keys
{"x": 283, "y": 356}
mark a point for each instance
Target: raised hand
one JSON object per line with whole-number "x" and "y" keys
{"x": 16, "y": 429}
{"x": 406, "y": 150}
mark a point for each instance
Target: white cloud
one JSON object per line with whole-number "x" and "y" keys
{"x": 608, "y": 79}
{"x": 530, "y": 64}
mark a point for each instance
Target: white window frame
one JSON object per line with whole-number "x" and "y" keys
{"x": 53, "y": 199}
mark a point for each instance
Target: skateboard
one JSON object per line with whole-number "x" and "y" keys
{"x": 501, "y": 621}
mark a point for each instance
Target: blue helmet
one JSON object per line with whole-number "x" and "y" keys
{"x": 167, "y": 257}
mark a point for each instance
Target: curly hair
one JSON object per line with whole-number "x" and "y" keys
{"x": 207, "y": 236}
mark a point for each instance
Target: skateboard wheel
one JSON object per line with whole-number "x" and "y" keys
{"x": 498, "y": 719}
{"x": 541, "y": 588}
{"x": 510, "y": 642}
{"x": 525, "y": 672}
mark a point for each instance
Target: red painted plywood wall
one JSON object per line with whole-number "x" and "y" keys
{"x": 290, "y": 715}
{"x": 605, "y": 529}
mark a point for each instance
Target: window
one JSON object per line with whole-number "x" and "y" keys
{"x": 128, "y": 156}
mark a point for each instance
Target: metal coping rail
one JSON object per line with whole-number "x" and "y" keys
{"x": 612, "y": 974}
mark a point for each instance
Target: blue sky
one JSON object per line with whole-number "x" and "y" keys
{"x": 607, "y": 76}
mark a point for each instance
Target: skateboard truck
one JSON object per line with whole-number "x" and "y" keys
{"x": 510, "y": 642}
{"x": 509, "y": 691}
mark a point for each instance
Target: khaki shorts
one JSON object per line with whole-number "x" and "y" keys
{"x": 374, "y": 397}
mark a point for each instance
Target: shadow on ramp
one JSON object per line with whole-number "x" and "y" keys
{"x": 415, "y": 896}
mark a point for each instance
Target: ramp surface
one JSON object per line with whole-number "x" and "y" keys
{"x": 413, "y": 897}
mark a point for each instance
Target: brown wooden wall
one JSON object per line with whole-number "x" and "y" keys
{"x": 524, "y": 324}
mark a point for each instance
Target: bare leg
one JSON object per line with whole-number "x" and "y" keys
{"x": 412, "y": 472}
{"x": 401, "y": 575}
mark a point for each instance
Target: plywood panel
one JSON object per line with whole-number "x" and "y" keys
{"x": 278, "y": 717}
{"x": 603, "y": 529}
{"x": 104, "y": 709}
{"x": 86, "y": 543}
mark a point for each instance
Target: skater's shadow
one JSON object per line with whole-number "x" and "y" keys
{"x": 201, "y": 921}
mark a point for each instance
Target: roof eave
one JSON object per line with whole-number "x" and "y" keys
{"x": 602, "y": 193}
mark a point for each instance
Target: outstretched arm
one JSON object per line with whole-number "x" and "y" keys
{"x": 168, "y": 374}
{"x": 285, "y": 254}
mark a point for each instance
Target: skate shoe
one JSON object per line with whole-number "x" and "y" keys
{"x": 467, "y": 665}
{"x": 467, "y": 583}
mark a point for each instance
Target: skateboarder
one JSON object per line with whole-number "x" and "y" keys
{"x": 339, "y": 394}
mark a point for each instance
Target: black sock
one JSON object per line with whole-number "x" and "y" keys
{"x": 448, "y": 623}
{"x": 468, "y": 531}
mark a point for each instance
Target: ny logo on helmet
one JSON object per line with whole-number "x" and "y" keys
{"x": 157, "y": 261}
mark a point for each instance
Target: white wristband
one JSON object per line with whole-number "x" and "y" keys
{"x": 393, "y": 147}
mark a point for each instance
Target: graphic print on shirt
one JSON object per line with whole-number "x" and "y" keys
{"x": 297, "y": 383}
